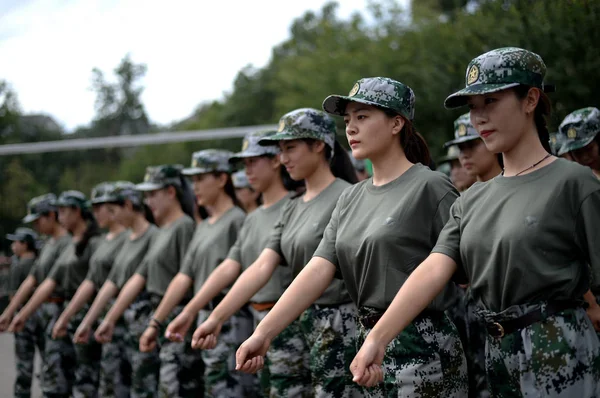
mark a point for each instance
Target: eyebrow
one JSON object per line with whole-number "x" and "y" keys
{"x": 359, "y": 109}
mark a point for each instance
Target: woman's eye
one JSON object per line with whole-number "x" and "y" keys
{"x": 490, "y": 100}
{"x": 361, "y": 117}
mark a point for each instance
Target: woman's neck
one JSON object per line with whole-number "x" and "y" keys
{"x": 491, "y": 173}
{"x": 114, "y": 230}
{"x": 26, "y": 255}
{"x": 274, "y": 193}
{"x": 59, "y": 231}
{"x": 219, "y": 207}
{"x": 389, "y": 166}
{"x": 320, "y": 179}
{"x": 175, "y": 214}
{"x": 139, "y": 226}
{"x": 527, "y": 152}
{"x": 79, "y": 230}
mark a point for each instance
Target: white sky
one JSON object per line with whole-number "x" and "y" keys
{"x": 193, "y": 48}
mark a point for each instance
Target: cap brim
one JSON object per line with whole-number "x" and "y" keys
{"x": 15, "y": 237}
{"x": 461, "y": 140}
{"x": 30, "y": 218}
{"x": 336, "y": 104}
{"x": 575, "y": 145}
{"x": 148, "y": 186}
{"x": 459, "y": 98}
{"x": 247, "y": 154}
{"x": 275, "y": 138}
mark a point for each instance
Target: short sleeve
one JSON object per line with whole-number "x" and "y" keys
{"x": 142, "y": 269}
{"x": 235, "y": 253}
{"x": 448, "y": 242}
{"x": 184, "y": 236}
{"x": 274, "y": 242}
{"x": 326, "y": 248}
{"x": 93, "y": 274}
{"x": 442, "y": 214}
{"x": 187, "y": 265}
{"x": 57, "y": 273}
{"x": 588, "y": 234}
{"x": 113, "y": 274}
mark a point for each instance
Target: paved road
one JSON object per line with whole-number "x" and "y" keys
{"x": 7, "y": 368}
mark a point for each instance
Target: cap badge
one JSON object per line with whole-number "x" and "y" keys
{"x": 462, "y": 130}
{"x": 473, "y": 74}
{"x": 572, "y": 133}
{"x": 281, "y": 126}
{"x": 354, "y": 90}
{"x": 245, "y": 145}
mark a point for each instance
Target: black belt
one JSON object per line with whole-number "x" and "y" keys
{"x": 369, "y": 321}
{"x": 500, "y": 329}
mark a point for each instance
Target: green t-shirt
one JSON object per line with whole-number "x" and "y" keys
{"x": 103, "y": 258}
{"x": 378, "y": 235}
{"x": 298, "y": 233}
{"x": 210, "y": 245}
{"x": 252, "y": 239}
{"x": 50, "y": 252}
{"x": 165, "y": 256}
{"x": 130, "y": 256}
{"x": 19, "y": 269}
{"x": 528, "y": 238}
{"x": 70, "y": 270}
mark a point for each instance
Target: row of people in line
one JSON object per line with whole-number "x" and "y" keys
{"x": 342, "y": 286}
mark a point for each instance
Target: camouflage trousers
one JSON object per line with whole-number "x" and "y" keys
{"x": 425, "y": 360}
{"x": 557, "y": 357}
{"x": 330, "y": 333}
{"x": 115, "y": 367}
{"x": 181, "y": 367}
{"x": 26, "y": 341}
{"x": 88, "y": 356}
{"x": 145, "y": 366}
{"x": 59, "y": 362}
{"x": 286, "y": 372}
{"x": 221, "y": 378}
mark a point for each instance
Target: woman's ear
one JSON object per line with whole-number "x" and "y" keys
{"x": 532, "y": 99}
{"x": 397, "y": 124}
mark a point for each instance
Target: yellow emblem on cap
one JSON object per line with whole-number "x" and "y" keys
{"x": 354, "y": 90}
{"x": 147, "y": 177}
{"x": 572, "y": 133}
{"x": 553, "y": 139}
{"x": 462, "y": 130}
{"x": 281, "y": 126}
{"x": 245, "y": 145}
{"x": 195, "y": 162}
{"x": 473, "y": 75}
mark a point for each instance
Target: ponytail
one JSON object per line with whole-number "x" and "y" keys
{"x": 186, "y": 197}
{"x": 230, "y": 190}
{"x": 91, "y": 231}
{"x": 340, "y": 163}
{"x": 543, "y": 110}
{"x": 413, "y": 144}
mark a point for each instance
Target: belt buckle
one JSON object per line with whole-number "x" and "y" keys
{"x": 499, "y": 328}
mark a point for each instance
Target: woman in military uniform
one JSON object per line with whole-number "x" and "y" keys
{"x": 326, "y": 330}
{"x": 285, "y": 374}
{"x": 210, "y": 174}
{"x": 578, "y": 136}
{"x": 25, "y": 252}
{"x": 248, "y": 197}
{"x": 169, "y": 197}
{"x": 122, "y": 353}
{"x": 525, "y": 241}
{"x": 68, "y": 273}
{"x": 58, "y": 355}
{"x": 404, "y": 202}
{"x": 458, "y": 175}
{"x": 114, "y": 382}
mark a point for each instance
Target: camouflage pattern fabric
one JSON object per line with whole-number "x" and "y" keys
{"x": 240, "y": 180}
{"x": 145, "y": 366}
{"x": 463, "y": 131}
{"x": 578, "y": 129}
{"x": 158, "y": 177}
{"x": 181, "y": 367}
{"x": 557, "y": 357}
{"x": 498, "y": 70}
{"x": 26, "y": 341}
{"x": 221, "y": 379}
{"x": 425, "y": 360}
{"x": 286, "y": 372}
{"x": 251, "y": 147}
{"x": 330, "y": 332}
{"x": 301, "y": 124}
{"x": 38, "y": 206}
{"x": 59, "y": 362}
{"x": 382, "y": 92}
{"x": 103, "y": 193}
{"x": 73, "y": 198}
{"x": 115, "y": 366}
{"x": 209, "y": 161}
{"x": 88, "y": 356}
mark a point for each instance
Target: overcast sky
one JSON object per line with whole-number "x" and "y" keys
{"x": 193, "y": 48}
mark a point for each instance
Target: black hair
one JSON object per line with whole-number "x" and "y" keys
{"x": 229, "y": 188}
{"x": 543, "y": 110}
{"x": 91, "y": 230}
{"x": 31, "y": 246}
{"x": 47, "y": 213}
{"x": 185, "y": 196}
{"x": 413, "y": 144}
{"x": 139, "y": 208}
{"x": 340, "y": 163}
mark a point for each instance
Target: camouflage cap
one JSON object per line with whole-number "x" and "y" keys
{"x": 382, "y": 92}
{"x": 125, "y": 190}
{"x": 498, "y": 70}
{"x": 103, "y": 193}
{"x": 304, "y": 123}
{"x": 359, "y": 164}
{"x": 158, "y": 177}
{"x": 451, "y": 155}
{"x": 208, "y": 161}
{"x": 556, "y": 144}
{"x": 23, "y": 235}
{"x": 463, "y": 131}
{"x": 240, "y": 179}
{"x": 251, "y": 148}
{"x": 578, "y": 129}
{"x": 38, "y": 206}
{"x": 73, "y": 198}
